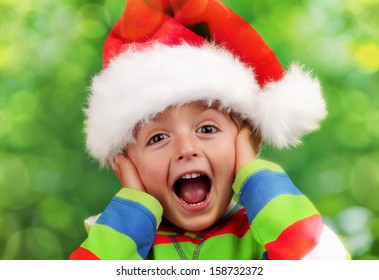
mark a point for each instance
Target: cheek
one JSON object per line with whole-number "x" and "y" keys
{"x": 153, "y": 173}
{"x": 226, "y": 147}
{"x": 223, "y": 164}
{"x": 223, "y": 155}
{"x": 147, "y": 163}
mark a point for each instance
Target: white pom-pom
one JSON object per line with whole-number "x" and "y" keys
{"x": 290, "y": 108}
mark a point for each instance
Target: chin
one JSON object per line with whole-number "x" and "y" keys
{"x": 197, "y": 223}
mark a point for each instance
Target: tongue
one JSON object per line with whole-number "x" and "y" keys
{"x": 192, "y": 190}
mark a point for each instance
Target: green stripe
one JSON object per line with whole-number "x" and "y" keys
{"x": 244, "y": 248}
{"x": 161, "y": 232}
{"x": 223, "y": 247}
{"x": 280, "y": 213}
{"x": 250, "y": 169}
{"x": 115, "y": 246}
{"x": 191, "y": 235}
{"x": 145, "y": 199}
{"x": 165, "y": 252}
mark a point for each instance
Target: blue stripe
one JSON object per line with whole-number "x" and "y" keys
{"x": 263, "y": 186}
{"x": 132, "y": 219}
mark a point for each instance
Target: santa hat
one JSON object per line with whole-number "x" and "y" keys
{"x": 162, "y": 53}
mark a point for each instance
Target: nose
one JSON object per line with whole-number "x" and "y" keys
{"x": 186, "y": 147}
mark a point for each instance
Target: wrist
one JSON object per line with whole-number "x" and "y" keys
{"x": 144, "y": 199}
{"x": 250, "y": 168}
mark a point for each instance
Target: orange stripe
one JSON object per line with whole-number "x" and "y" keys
{"x": 297, "y": 240}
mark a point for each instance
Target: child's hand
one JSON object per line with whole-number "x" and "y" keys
{"x": 127, "y": 173}
{"x": 247, "y": 147}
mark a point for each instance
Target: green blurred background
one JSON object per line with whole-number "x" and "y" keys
{"x": 50, "y": 49}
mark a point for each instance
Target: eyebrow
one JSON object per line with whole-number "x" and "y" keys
{"x": 214, "y": 106}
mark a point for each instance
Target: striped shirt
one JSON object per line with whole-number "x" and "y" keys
{"x": 271, "y": 219}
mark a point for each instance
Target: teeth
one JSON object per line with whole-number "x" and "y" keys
{"x": 195, "y": 204}
{"x": 191, "y": 175}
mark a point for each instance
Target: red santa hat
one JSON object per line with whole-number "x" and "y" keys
{"x": 162, "y": 53}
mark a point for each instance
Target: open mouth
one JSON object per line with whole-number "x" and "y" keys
{"x": 193, "y": 189}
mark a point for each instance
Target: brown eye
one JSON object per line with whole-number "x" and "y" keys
{"x": 207, "y": 129}
{"x": 156, "y": 138}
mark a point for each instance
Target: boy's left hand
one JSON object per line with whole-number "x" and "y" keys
{"x": 247, "y": 146}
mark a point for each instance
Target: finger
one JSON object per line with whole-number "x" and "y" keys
{"x": 245, "y": 151}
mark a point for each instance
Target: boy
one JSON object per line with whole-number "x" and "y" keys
{"x": 179, "y": 112}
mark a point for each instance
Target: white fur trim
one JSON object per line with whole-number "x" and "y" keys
{"x": 289, "y": 108}
{"x": 138, "y": 85}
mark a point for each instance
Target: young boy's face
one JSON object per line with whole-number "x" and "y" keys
{"x": 186, "y": 159}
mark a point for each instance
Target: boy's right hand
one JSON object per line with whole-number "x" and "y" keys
{"x": 248, "y": 144}
{"x": 127, "y": 173}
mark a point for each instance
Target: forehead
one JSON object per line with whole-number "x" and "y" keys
{"x": 196, "y": 108}
{"x": 193, "y": 107}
